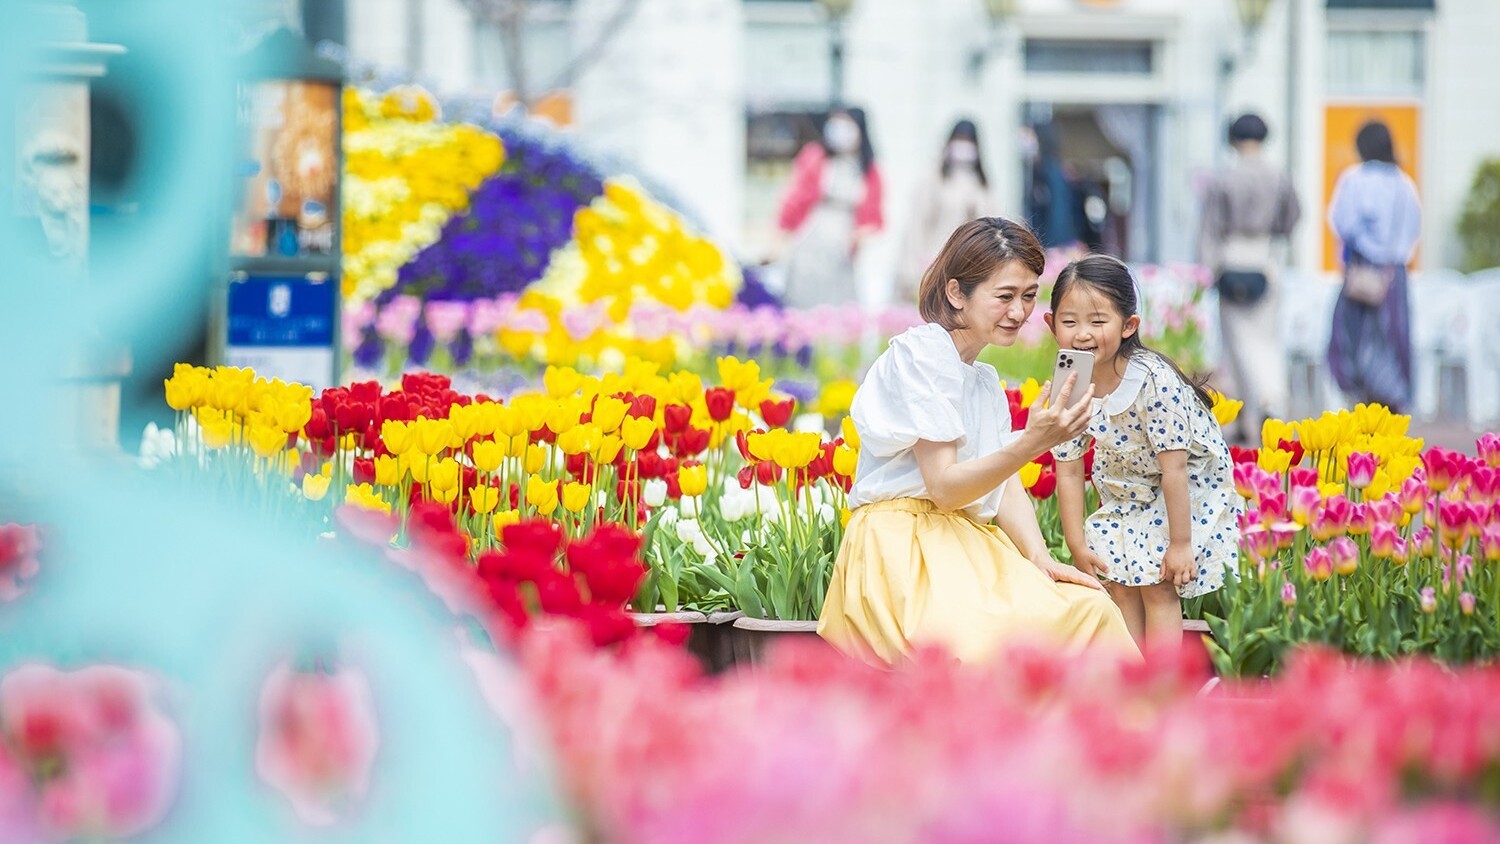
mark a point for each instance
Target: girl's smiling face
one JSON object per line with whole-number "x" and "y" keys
{"x": 1087, "y": 320}
{"x": 997, "y": 308}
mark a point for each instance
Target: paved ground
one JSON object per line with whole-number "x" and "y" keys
{"x": 1447, "y": 433}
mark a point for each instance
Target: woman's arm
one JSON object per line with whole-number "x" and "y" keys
{"x": 1017, "y": 517}
{"x": 953, "y": 485}
{"x": 1179, "y": 564}
{"x": 803, "y": 191}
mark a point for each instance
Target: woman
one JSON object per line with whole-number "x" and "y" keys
{"x": 959, "y": 193}
{"x": 943, "y": 548}
{"x": 832, "y": 205}
{"x": 1376, "y": 215}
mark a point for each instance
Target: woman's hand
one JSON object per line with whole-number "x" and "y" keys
{"x": 1089, "y": 563}
{"x": 1062, "y": 573}
{"x": 1177, "y": 565}
{"x": 1054, "y": 425}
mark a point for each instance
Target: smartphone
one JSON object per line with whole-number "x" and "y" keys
{"x": 1069, "y": 362}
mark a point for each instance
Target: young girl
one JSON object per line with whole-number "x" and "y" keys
{"x": 943, "y": 549}
{"x": 1167, "y": 524}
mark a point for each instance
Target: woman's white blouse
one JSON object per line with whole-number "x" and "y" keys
{"x": 919, "y": 388}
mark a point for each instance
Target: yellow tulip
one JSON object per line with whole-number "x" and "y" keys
{"x": 397, "y": 436}
{"x": 762, "y": 446}
{"x": 292, "y": 416}
{"x": 217, "y": 432}
{"x": 516, "y": 446}
{"x": 445, "y": 496}
{"x": 1225, "y": 410}
{"x": 267, "y": 441}
{"x": 433, "y": 436}
{"x": 185, "y": 389}
{"x": 637, "y": 432}
{"x": 575, "y": 496}
{"x": 578, "y": 440}
{"x": 845, "y": 460}
{"x": 364, "y": 497}
{"x": 836, "y": 397}
{"x": 1275, "y": 461}
{"x": 531, "y": 411}
{"x": 504, "y": 518}
{"x": 508, "y": 421}
{"x": 609, "y": 412}
{"x": 536, "y": 458}
{"x": 417, "y": 465}
{"x": 692, "y": 480}
{"x": 750, "y": 397}
{"x": 484, "y": 498}
{"x": 561, "y": 381}
{"x": 608, "y": 449}
{"x": 1273, "y": 431}
{"x": 851, "y": 434}
{"x": 1029, "y": 474}
{"x": 445, "y": 474}
{"x": 685, "y": 388}
{"x": 738, "y": 376}
{"x": 844, "y": 515}
{"x": 487, "y": 455}
{"x": 1030, "y": 389}
{"x": 464, "y": 421}
{"x": 541, "y": 494}
{"x": 1378, "y": 487}
{"x": 314, "y": 487}
{"x": 1329, "y": 490}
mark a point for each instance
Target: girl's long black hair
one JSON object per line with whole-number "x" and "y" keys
{"x": 866, "y": 148}
{"x": 1109, "y": 276}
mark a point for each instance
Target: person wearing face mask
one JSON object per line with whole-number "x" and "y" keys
{"x": 831, "y": 206}
{"x": 957, "y": 193}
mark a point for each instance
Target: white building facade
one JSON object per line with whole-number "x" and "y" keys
{"x": 1141, "y": 90}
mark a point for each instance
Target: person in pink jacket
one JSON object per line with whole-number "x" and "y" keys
{"x": 830, "y": 207}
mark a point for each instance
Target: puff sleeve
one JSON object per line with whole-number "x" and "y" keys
{"x": 1165, "y": 406}
{"x": 913, "y": 391}
{"x": 1072, "y": 449}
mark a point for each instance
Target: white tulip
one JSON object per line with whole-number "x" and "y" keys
{"x": 654, "y": 492}
{"x": 702, "y": 545}
{"x": 688, "y": 530}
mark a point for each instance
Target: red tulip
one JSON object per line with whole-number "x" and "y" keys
{"x": 1045, "y": 486}
{"x": 720, "y": 401}
{"x": 1293, "y": 448}
{"x": 675, "y": 418}
{"x": 777, "y": 413}
{"x": 691, "y": 441}
{"x": 642, "y": 407}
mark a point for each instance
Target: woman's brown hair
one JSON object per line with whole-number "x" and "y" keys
{"x": 972, "y": 254}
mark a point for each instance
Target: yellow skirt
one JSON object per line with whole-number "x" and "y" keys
{"x": 910, "y": 575}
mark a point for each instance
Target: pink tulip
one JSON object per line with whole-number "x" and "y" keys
{"x": 1400, "y": 552}
{"x": 1489, "y": 449}
{"x": 1288, "y": 594}
{"x": 1272, "y": 508}
{"x": 1331, "y": 518}
{"x": 1489, "y": 542}
{"x": 1466, "y": 602}
{"x": 1387, "y": 510}
{"x": 317, "y": 740}
{"x": 1245, "y": 480}
{"x": 1362, "y": 466}
{"x": 1285, "y": 534}
{"x": 1453, "y": 523}
{"x": 1422, "y": 542}
{"x": 1303, "y": 476}
{"x": 1413, "y": 496}
{"x": 1259, "y": 542}
{"x": 1345, "y": 555}
{"x": 1319, "y": 563}
{"x": 1484, "y": 483}
{"x": 1360, "y": 519}
{"x": 1383, "y": 539}
{"x": 1304, "y": 503}
{"x": 19, "y": 546}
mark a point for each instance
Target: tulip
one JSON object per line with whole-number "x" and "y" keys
{"x": 1225, "y": 410}
{"x": 575, "y": 496}
{"x": 1330, "y": 518}
{"x": 1489, "y": 449}
{"x": 1361, "y": 467}
{"x": 1428, "y": 600}
{"x": 1045, "y": 485}
{"x": 364, "y": 497}
{"x": 1360, "y": 519}
{"x": 1272, "y": 508}
{"x": 1489, "y": 542}
{"x": 433, "y": 436}
{"x": 541, "y": 494}
{"x": 1029, "y": 474}
{"x": 1413, "y": 496}
{"x": 1344, "y": 554}
{"x": 1303, "y": 476}
{"x": 1441, "y": 465}
{"x": 608, "y": 449}
{"x": 444, "y": 475}
{"x": 484, "y": 499}
{"x": 845, "y": 461}
{"x": 1275, "y": 460}
{"x": 609, "y": 412}
{"x": 851, "y": 434}
{"x": 536, "y": 458}
{"x": 1422, "y": 542}
{"x": 675, "y": 418}
{"x": 1383, "y": 539}
{"x": 1466, "y": 603}
{"x": 314, "y": 487}
{"x": 1288, "y": 595}
{"x": 1319, "y": 563}
{"x": 654, "y": 493}
{"x": 487, "y": 455}
{"x": 692, "y": 480}
{"x": 1304, "y": 501}
{"x": 636, "y": 432}
{"x": 777, "y": 413}
{"x": 397, "y": 436}
{"x": 504, "y": 518}
{"x": 417, "y": 465}
{"x": 1244, "y": 480}
{"x": 1453, "y": 523}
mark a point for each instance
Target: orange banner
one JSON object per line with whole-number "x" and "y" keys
{"x": 1341, "y": 122}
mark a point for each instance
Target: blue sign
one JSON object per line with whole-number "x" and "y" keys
{"x": 281, "y": 311}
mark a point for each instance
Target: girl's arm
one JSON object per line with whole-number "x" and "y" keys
{"x": 953, "y": 485}
{"x": 1017, "y": 517}
{"x": 1070, "y": 503}
{"x": 1179, "y": 565}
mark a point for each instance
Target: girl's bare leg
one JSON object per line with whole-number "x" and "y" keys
{"x": 1128, "y": 599}
{"x": 1163, "y": 617}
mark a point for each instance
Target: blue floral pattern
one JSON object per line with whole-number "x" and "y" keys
{"x": 1153, "y": 411}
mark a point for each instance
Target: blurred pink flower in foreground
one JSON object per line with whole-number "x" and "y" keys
{"x": 19, "y": 545}
{"x": 83, "y": 754}
{"x": 317, "y": 740}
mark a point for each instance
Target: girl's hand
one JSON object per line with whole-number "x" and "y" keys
{"x": 1177, "y": 566}
{"x": 1061, "y": 573}
{"x": 1089, "y": 563}
{"x": 1054, "y": 425}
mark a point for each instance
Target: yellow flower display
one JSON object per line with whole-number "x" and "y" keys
{"x": 693, "y": 480}
{"x": 364, "y": 497}
{"x": 405, "y": 176}
{"x": 575, "y": 496}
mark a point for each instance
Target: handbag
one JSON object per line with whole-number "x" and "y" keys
{"x": 1368, "y": 284}
{"x": 1242, "y": 287}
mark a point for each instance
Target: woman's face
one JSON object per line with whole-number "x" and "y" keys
{"x": 841, "y": 133}
{"x": 997, "y": 308}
